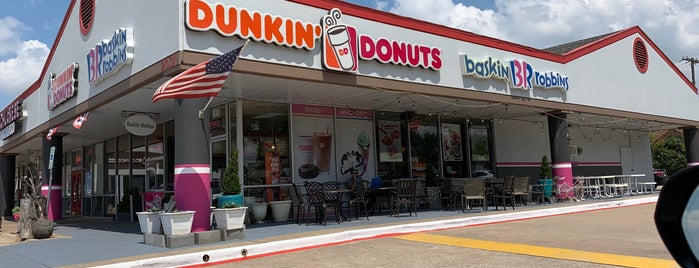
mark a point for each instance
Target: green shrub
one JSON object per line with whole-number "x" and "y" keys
{"x": 231, "y": 180}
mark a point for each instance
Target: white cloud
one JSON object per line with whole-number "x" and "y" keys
{"x": 18, "y": 73}
{"x": 10, "y": 35}
{"x": 671, "y": 24}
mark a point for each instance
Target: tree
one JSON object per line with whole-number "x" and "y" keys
{"x": 669, "y": 155}
{"x": 231, "y": 180}
{"x": 545, "y": 171}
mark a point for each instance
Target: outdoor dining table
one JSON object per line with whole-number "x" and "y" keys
{"x": 384, "y": 191}
{"x": 340, "y": 193}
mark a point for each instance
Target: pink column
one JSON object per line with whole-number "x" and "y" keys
{"x": 53, "y": 211}
{"x": 563, "y": 170}
{"x": 192, "y": 193}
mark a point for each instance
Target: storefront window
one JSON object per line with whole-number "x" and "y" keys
{"x": 480, "y": 144}
{"x": 217, "y": 123}
{"x": 424, "y": 148}
{"x": 110, "y": 153}
{"x": 123, "y": 164}
{"x": 218, "y": 164}
{"x": 138, "y": 165}
{"x": 265, "y": 147}
{"x": 218, "y": 147}
{"x": 155, "y": 162}
{"x": 452, "y": 143}
{"x": 232, "y": 131}
{"x": 392, "y": 140}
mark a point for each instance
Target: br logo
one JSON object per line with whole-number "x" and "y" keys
{"x": 339, "y": 43}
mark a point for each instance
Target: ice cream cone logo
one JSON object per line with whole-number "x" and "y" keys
{"x": 363, "y": 144}
{"x": 339, "y": 43}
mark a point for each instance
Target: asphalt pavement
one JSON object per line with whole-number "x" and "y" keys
{"x": 90, "y": 242}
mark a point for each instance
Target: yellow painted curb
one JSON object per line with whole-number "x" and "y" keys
{"x": 547, "y": 252}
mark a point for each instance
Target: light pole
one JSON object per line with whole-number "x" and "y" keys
{"x": 692, "y": 61}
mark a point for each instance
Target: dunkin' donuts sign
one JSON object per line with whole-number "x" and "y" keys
{"x": 63, "y": 86}
{"x": 342, "y": 45}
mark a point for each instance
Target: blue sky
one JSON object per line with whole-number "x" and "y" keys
{"x": 29, "y": 27}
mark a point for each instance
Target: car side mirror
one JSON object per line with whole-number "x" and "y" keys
{"x": 677, "y": 216}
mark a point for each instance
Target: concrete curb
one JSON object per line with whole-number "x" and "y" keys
{"x": 231, "y": 254}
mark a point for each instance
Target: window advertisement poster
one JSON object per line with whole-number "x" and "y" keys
{"x": 390, "y": 142}
{"x": 313, "y": 146}
{"x": 355, "y": 138}
{"x": 451, "y": 142}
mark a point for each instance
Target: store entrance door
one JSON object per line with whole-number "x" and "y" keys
{"x": 75, "y": 192}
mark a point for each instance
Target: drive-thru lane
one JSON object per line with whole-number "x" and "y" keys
{"x": 611, "y": 236}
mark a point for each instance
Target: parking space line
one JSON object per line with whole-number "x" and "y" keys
{"x": 547, "y": 252}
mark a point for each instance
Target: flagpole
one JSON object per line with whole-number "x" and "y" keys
{"x": 203, "y": 110}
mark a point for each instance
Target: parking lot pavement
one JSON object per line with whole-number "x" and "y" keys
{"x": 88, "y": 242}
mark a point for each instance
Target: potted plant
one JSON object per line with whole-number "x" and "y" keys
{"x": 15, "y": 213}
{"x": 545, "y": 176}
{"x": 230, "y": 217}
{"x": 230, "y": 186}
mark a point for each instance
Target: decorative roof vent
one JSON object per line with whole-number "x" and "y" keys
{"x": 87, "y": 15}
{"x": 640, "y": 55}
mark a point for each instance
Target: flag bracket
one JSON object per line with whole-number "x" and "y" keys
{"x": 154, "y": 116}
{"x": 201, "y": 112}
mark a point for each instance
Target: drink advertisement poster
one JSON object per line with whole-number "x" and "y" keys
{"x": 390, "y": 142}
{"x": 313, "y": 143}
{"x": 451, "y": 142}
{"x": 355, "y": 146}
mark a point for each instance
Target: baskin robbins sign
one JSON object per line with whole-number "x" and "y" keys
{"x": 110, "y": 55}
{"x": 519, "y": 73}
{"x": 342, "y": 45}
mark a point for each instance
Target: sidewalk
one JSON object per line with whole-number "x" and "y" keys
{"x": 88, "y": 242}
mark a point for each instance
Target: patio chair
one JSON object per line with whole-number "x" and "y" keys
{"x": 405, "y": 195}
{"x": 446, "y": 194}
{"x": 333, "y": 199}
{"x": 520, "y": 188}
{"x": 300, "y": 202}
{"x": 316, "y": 199}
{"x": 474, "y": 190}
{"x": 358, "y": 199}
{"x": 504, "y": 193}
{"x": 421, "y": 196}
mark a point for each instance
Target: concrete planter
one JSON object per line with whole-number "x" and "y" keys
{"x": 177, "y": 223}
{"x": 230, "y": 218}
{"x": 149, "y": 222}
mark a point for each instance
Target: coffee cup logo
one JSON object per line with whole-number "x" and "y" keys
{"x": 340, "y": 43}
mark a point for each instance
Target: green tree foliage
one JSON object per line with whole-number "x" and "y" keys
{"x": 545, "y": 172}
{"x": 231, "y": 180}
{"x": 669, "y": 155}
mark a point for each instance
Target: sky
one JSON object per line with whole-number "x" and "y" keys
{"x": 29, "y": 27}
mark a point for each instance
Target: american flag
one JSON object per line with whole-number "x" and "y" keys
{"x": 51, "y": 132}
{"x": 203, "y": 80}
{"x": 78, "y": 122}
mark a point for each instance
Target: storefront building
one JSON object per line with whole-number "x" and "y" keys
{"x": 321, "y": 88}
